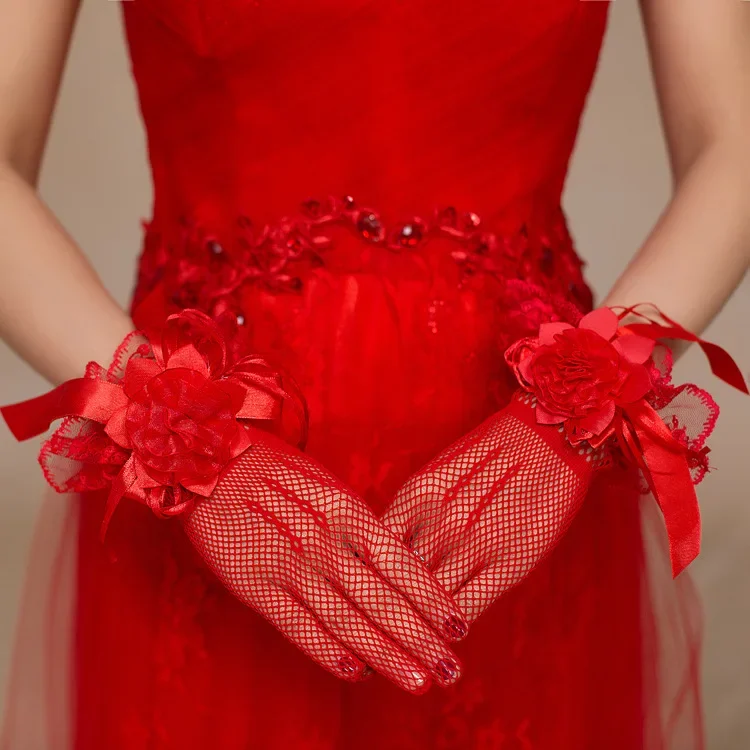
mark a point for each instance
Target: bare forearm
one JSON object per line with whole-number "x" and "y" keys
{"x": 699, "y": 250}
{"x": 54, "y": 311}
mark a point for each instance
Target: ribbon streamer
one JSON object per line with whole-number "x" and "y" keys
{"x": 645, "y": 438}
{"x": 721, "y": 362}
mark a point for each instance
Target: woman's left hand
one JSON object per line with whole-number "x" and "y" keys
{"x": 485, "y": 512}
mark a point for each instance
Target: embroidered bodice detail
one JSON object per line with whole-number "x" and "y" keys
{"x": 204, "y": 269}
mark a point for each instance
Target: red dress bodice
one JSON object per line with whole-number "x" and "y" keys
{"x": 355, "y": 183}
{"x": 252, "y": 106}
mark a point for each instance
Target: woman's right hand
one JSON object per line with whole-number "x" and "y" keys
{"x": 293, "y": 543}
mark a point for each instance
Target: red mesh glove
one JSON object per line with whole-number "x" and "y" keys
{"x": 173, "y": 425}
{"x": 484, "y": 513}
{"x": 292, "y": 542}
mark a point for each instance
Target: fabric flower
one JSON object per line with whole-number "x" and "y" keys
{"x": 181, "y": 412}
{"x": 180, "y": 422}
{"x": 583, "y": 376}
{"x": 163, "y": 422}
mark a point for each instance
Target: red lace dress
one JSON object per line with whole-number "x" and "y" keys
{"x": 372, "y": 191}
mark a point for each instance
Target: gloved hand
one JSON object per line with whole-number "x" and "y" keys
{"x": 174, "y": 425}
{"x": 484, "y": 513}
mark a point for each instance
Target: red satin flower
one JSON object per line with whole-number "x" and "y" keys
{"x": 583, "y": 376}
{"x": 179, "y": 420}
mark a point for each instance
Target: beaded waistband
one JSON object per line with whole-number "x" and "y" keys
{"x": 200, "y": 268}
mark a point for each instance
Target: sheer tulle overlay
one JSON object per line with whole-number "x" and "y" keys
{"x": 443, "y": 132}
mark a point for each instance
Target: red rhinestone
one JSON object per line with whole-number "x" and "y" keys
{"x": 410, "y": 235}
{"x": 471, "y": 220}
{"x": 295, "y": 243}
{"x": 370, "y": 227}
{"x": 214, "y": 248}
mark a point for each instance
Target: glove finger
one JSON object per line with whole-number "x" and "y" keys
{"x": 342, "y": 619}
{"x": 420, "y": 516}
{"x": 484, "y": 588}
{"x": 489, "y": 583}
{"x": 505, "y": 543}
{"x": 499, "y": 514}
{"x": 297, "y": 623}
{"x": 394, "y": 615}
{"x": 402, "y": 513}
{"x": 432, "y": 511}
{"x": 405, "y": 573}
{"x": 458, "y": 568}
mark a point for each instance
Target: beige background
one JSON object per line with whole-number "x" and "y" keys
{"x": 96, "y": 179}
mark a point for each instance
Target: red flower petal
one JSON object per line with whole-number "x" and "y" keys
{"x": 525, "y": 370}
{"x": 597, "y": 422}
{"x": 202, "y": 487}
{"x": 602, "y": 321}
{"x": 635, "y": 349}
{"x": 144, "y": 478}
{"x": 547, "y": 417}
{"x": 596, "y": 440}
{"x": 198, "y": 329}
{"x": 137, "y": 373}
{"x": 236, "y": 392}
{"x": 636, "y": 386}
{"x": 240, "y": 443}
{"x": 189, "y": 358}
{"x": 115, "y": 428}
{"x": 548, "y": 331}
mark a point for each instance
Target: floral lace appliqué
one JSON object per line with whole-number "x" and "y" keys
{"x": 202, "y": 270}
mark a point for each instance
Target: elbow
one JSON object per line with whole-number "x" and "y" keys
{"x": 21, "y": 158}
{"x": 720, "y": 138}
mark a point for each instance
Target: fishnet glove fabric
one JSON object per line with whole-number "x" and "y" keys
{"x": 485, "y": 512}
{"x": 293, "y": 543}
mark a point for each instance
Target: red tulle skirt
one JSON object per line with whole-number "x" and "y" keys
{"x": 133, "y": 645}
